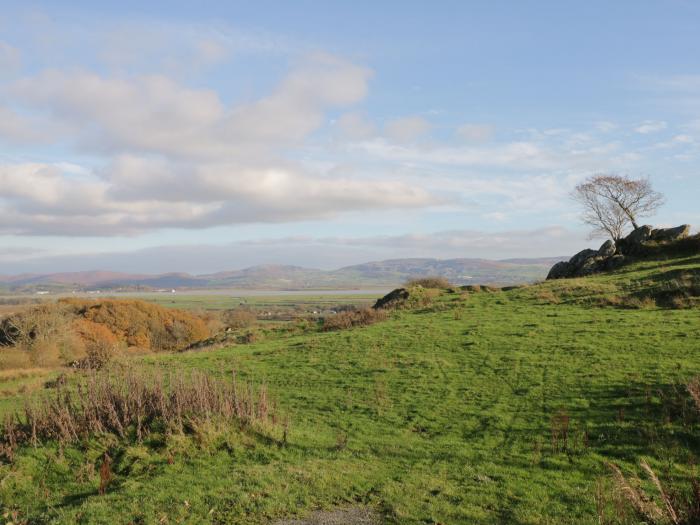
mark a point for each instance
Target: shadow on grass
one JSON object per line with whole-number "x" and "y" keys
{"x": 636, "y": 419}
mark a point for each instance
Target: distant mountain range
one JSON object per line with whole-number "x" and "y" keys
{"x": 281, "y": 277}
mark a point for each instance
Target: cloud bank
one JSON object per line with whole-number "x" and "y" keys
{"x": 317, "y": 252}
{"x": 178, "y": 157}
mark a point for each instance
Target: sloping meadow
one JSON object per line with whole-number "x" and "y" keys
{"x": 482, "y": 406}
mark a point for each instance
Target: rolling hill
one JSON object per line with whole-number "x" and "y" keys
{"x": 285, "y": 277}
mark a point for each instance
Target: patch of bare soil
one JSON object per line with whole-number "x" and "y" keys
{"x": 345, "y": 516}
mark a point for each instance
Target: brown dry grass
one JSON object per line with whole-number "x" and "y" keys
{"x": 128, "y": 402}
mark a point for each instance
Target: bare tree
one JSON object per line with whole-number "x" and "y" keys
{"x": 611, "y": 202}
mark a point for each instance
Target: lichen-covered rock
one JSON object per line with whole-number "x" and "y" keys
{"x": 561, "y": 270}
{"x": 392, "y": 299}
{"x": 670, "y": 234}
{"x": 608, "y": 249}
{"x": 586, "y": 262}
{"x": 614, "y": 262}
{"x": 640, "y": 235}
{"x": 581, "y": 257}
{"x": 583, "y": 263}
{"x": 591, "y": 265}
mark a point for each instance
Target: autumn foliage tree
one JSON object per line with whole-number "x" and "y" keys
{"x": 611, "y": 203}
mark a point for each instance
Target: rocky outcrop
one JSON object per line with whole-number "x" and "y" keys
{"x": 392, "y": 299}
{"x": 584, "y": 262}
{"x": 612, "y": 255}
{"x": 670, "y": 234}
{"x": 637, "y": 242}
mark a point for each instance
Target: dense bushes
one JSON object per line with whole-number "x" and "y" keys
{"x": 80, "y": 330}
{"x": 38, "y": 336}
{"x": 98, "y": 343}
{"x": 238, "y": 318}
{"x": 142, "y": 325}
{"x": 351, "y": 318}
{"x": 407, "y": 298}
{"x": 429, "y": 282}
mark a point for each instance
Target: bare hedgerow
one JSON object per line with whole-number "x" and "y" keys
{"x": 130, "y": 403}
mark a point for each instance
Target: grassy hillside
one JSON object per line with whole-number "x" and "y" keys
{"x": 481, "y": 407}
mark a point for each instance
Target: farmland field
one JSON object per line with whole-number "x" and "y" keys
{"x": 224, "y": 299}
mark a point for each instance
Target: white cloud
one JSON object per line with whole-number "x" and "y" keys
{"x": 17, "y": 127}
{"x": 406, "y": 129}
{"x": 683, "y": 139}
{"x": 355, "y": 126}
{"x": 651, "y": 126}
{"x": 515, "y": 155}
{"x": 675, "y": 142}
{"x": 605, "y": 126}
{"x": 496, "y": 216}
{"x": 165, "y": 152}
{"x": 10, "y": 58}
{"x": 155, "y": 114}
{"x": 150, "y": 113}
{"x": 688, "y": 83}
{"x": 178, "y": 157}
{"x": 137, "y": 195}
{"x": 475, "y": 132}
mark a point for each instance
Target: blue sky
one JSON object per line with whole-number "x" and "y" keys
{"x": 182, "y": 136}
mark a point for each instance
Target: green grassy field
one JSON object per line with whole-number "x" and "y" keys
{"x": 453, "y": 413}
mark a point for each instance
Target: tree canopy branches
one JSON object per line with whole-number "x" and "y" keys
{"x": 612, "y": 202}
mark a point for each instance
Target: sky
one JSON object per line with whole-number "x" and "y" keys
{"x": 205, "y": 136}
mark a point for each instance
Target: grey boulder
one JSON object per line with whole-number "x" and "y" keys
{"x": 640, "y": 235}
{"x": 560, "y": 270}
{"x": 670, "y": 234}
{"x": 608, "y": 249}
{"x": 581, "y": 257}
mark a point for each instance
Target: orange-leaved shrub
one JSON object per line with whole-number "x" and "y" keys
{"x": 141, "y": 324}
{"x": 90, "y": 332}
